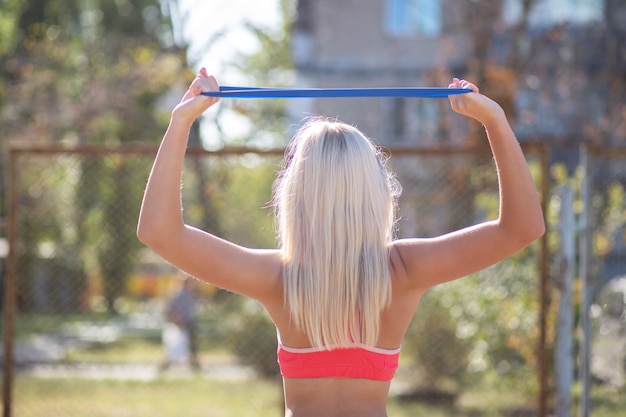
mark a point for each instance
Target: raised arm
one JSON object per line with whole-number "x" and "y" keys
{"x": 428, "y": 262}
{"x": 161, "y": 225}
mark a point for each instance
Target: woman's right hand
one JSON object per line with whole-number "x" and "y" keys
{"x": 474, "y": 104}
{"x": 193, "y": 103}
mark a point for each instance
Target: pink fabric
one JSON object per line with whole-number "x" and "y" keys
{"x": 354, "y": 362}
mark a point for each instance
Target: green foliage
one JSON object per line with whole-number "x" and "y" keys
{"x": 8, "y": 25}
{"x": 496, "y": 310}
{"x": 269, "y": 66}
{"x": 88, "y": 72}
{"x": 432, "y": 341}
{"x": 247, "y": 191}
{"x": 253, "y": 340}
{"x": 482, "y": 328}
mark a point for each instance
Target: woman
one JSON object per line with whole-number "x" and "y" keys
{"x": 340, "y": 291}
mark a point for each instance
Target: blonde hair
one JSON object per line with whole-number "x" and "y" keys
{"x": 335, "y": 205}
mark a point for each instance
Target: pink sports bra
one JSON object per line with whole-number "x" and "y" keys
{"x": 360, "y": 361}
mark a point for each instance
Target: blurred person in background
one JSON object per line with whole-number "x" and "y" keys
{"x": 180, "y": 331}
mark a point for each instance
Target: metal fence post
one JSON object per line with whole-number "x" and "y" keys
{"x": 585, "y": 343}
{"x": 544, "y": 299}
{"x": 563, "y": 361}
{"x": 10, "y": 288}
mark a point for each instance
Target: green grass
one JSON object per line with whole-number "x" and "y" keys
{"x": 161, "y": 397}
{"x": 196, "y": 396}
{"x": 123, "y": 350}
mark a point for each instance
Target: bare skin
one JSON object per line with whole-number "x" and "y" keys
{"x": 416, "y": 264}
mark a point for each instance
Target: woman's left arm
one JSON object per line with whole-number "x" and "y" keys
{"x": 431, "y": 261}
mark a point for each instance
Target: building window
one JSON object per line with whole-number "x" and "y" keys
{"x": 398, "y": 119}
{"x": 406, "y": 18}
{"x": 551, "y": 12}
{"x": 413, "y": 122}
{"x": 426, "y": 120}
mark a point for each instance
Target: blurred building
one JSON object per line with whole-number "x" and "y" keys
{"x": 558, "y": 68}
{"x": 378, "y": 44}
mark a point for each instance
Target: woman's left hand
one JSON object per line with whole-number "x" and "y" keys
{"x": 193, "y": 103}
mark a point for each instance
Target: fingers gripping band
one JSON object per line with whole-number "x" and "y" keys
{"x": 260, "y": 92}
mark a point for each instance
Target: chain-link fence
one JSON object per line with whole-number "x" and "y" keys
{"x": 85, "y": 306}
{"x": 602, "y": 269}
{"x": 473, "y": 342}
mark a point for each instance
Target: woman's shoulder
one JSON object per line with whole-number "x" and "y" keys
{"x": 396, "y": 262}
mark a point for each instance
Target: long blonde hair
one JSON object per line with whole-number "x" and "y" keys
{"x": 335, "y": 205}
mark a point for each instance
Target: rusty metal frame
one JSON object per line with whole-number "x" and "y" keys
{"x": 15, "y": 150}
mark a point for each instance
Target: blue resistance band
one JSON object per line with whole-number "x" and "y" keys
{"x": 260, "y": 92}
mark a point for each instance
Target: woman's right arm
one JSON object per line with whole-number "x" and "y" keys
{"x": 428, "y": 262}
{"x": 251, "y": 272}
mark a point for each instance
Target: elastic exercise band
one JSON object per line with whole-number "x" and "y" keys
{"x": 259, "y": 92}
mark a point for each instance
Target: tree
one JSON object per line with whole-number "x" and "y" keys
{"x": 90, "y": 72}
{"x": 271, "y": 66}
{"x": 247, "y": 181}
{"x": 560, "y": 74}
